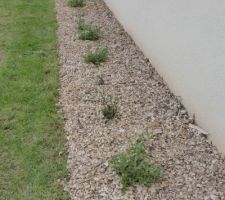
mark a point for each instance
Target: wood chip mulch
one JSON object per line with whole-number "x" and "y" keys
{"x": 192, "y": 167}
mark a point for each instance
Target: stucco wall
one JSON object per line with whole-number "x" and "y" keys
{"x": 185, "y": 41}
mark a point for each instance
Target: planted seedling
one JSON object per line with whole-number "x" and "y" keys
{"x": 88, "y": 31}
{"x": 100, "y": 80}
{"x": 76, "y": 3}
{"x": 110, "y": 107}
{"x": 134, "y": 167}
{"x": 81, "y": 23}
{"x": 97, "y": 57}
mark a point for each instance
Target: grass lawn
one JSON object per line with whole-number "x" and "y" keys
{"x": 32, "y": 152}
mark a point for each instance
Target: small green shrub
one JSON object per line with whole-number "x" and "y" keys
{"x": 100, "y": 80}
{"x": 76, "y": 3}
{"x": 97, "y": 57}
{"x": 81, "y": 24}
{"x": 88, "y": 31}
{"x": 134, "y": 167}
{"x": 110, "y": 108}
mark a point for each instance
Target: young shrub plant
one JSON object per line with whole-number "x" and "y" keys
{"x": 97, "y": 57}
{"x": 81, "y": 24}
{"x": 88, "y": 31}
{"x": 100, "y": 80}
{"x": 76, "y": 3}
{"x": 134, "y": 167}
{"x": 110, "y": 107}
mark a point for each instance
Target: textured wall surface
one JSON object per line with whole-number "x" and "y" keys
{"x": 185, "y": 41}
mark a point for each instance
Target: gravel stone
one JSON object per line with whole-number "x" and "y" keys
{"x": 192, "y": 167}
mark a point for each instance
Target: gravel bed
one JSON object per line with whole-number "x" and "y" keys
{"x": 192, "y": 167}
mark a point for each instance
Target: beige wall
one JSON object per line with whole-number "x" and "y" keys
{"x": 185, "y": 41}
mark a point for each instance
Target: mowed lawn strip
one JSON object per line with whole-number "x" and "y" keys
{"x": 32, "y": 142}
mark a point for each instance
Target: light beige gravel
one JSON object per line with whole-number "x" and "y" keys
{"x": 192, "y": 166}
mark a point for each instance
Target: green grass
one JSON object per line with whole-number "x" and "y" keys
{"x": 32, "y": 154}
{"x": 133, "y": 167}
{"x": 76, "y": 3}
{"x": 88, "y": 31}
{"x": 97, "y": 57}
